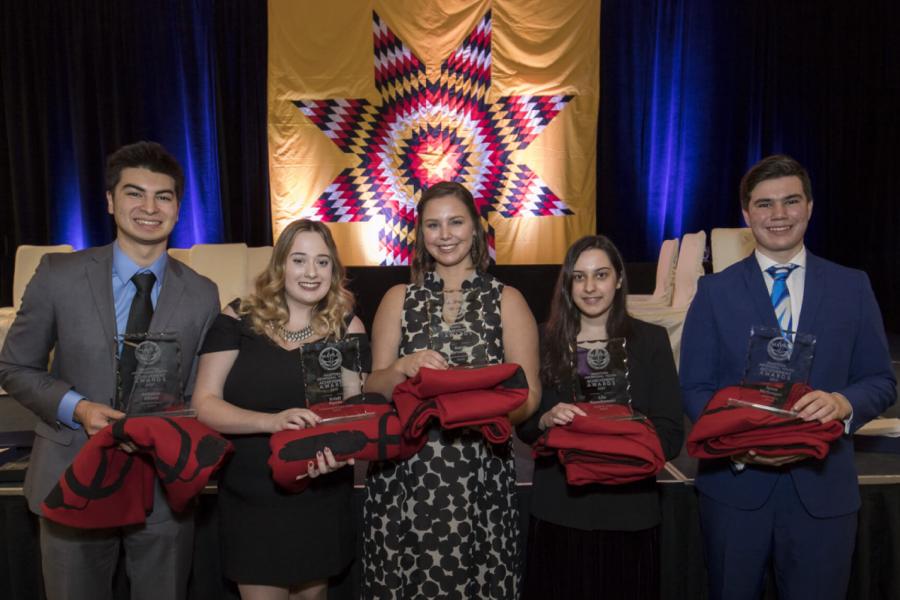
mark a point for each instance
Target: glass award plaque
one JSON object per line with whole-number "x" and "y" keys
{"x": 332, "y": 371}
{"x": 455, "y": 341}
{"x": 775, "y": 361}
{"x": 601, "y": 372}
{"x": 155, "y": 387}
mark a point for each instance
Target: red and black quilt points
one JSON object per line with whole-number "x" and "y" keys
{"x": 525, "y": 117}
{"x": 339, "y": 202}
{"x": 470, "y": 63}
{"x": 394, "y": 61}
{"x": 528, "y": 195}
{"x": 435, "y": 155}
{"x": 429, "y": 130}
{"x": 335, "y": 118}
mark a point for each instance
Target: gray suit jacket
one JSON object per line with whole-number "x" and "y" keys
{"x": 68, "y": 305}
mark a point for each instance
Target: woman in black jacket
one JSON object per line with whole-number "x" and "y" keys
{"x": 597, "y": 540}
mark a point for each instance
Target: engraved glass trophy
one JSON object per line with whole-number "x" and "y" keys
{"x": 457, "y": 342}
{"x": 155, "y": 387}
{"x": 775, "y": 361}
{"x": 601, "y": 369}
{"x": 332, "y": 371}
{"x": 601, "y": 377}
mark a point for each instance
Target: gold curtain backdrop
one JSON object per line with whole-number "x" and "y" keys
{"x": 371, "y": 102}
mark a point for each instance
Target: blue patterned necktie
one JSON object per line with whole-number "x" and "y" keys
{"x": 781, "y": 296}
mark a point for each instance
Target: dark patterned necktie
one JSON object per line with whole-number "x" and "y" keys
{"x": 138, "y": 322}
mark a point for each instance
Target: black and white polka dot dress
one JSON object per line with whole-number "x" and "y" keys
{"x": 445, "y": 524}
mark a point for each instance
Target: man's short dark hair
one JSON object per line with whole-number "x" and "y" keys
{"x": 144, "y": 155}
{"x": 773, "y": 167}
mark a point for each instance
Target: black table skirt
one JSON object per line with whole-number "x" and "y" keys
{"x": 875, "y": 575}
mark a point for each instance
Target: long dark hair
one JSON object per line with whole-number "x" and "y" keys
{"x": 561, "y": 329}
{"x": 422, "y": 262}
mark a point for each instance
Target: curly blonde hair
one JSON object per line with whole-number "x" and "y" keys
{"x": 267, "y": 308}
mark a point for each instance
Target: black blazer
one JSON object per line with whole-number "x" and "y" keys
{"x": 654, "y": 392}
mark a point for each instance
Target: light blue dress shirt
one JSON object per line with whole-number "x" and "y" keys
{"x": 123, "y": 289}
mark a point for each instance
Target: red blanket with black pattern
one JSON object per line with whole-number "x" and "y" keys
{"x": 106, "y": 486}
{"x": 365, "y": 427}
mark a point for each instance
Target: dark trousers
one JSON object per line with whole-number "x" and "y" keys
{"x": 79, "y": 564}
{"x": 810, "y": 556}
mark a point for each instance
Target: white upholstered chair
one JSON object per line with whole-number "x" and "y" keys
{"x": 225, "y": 264}
{"x": 181, "y": 254}
{"x": 729, "y": 245}
{"x": 665, "y": 277}
{"x": 233, "y": 267}
{"x": 687, "y": 273}
{"x": 27, "y": 260}
{"x": 257, "y": 261}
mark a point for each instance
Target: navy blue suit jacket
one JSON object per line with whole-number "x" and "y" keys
{"x": 851, "y": 357}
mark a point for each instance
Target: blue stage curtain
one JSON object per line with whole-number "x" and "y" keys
{"x": 696, "y": 91}
{"x": 692, "y": 93}
{"x": 80, "y": 79}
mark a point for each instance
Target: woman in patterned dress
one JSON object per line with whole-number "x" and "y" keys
{"x": 277, "y": 545}
{"x": 445, "y": 524}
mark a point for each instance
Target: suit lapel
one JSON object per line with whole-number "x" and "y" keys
{"x": 757, "y": 294}
{"x": 813, "y": 292}
{"x": 98, "y": 272}
{"x": 169, "y": 297}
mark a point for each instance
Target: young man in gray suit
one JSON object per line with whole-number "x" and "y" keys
{"x": 78, "y": 304}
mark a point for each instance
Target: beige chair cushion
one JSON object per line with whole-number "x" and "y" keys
{"x": 689, "y": 269}
{"x": 181, "y": 254}
{"x": 665, "y": 277}
{"x": 27, "y": 260}
{"x": 225, "y": 264}
{"x": 257, "y": 262}
{"x": 687, "y": 273}
{"x": 730, "y": 245}
{"x": 672, "y": 319}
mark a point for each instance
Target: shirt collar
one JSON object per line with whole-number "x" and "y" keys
{"x": 125, "y": 268}
{"x": 765, "y": 262}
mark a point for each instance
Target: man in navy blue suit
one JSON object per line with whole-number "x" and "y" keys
{"x": 798, "y": 513}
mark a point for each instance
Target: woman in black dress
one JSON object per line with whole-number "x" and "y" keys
{"x": 445, "y": 523}
{"x": 597, "y": 541}
{"x": 278, "y": 545}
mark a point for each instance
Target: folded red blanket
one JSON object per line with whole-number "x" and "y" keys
{"x": 365, "y": 427}
{"x": 727, "y": 430}
{"x": 611, "y": 445}
{"x": 479, "y": 397}
{"x": 108, "y": 487}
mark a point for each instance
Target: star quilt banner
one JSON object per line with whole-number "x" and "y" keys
{"x": 370, "y": 103}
